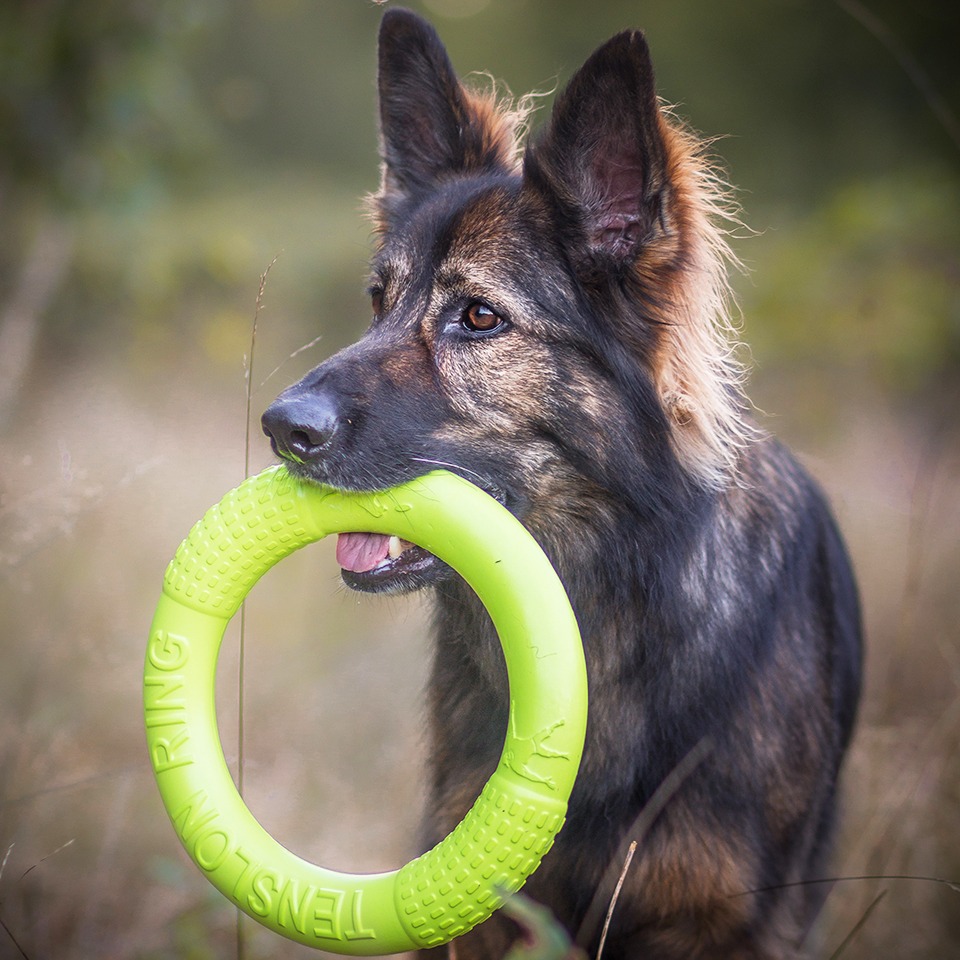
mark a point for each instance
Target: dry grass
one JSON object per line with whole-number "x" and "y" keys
{"x": 102, "y": 476}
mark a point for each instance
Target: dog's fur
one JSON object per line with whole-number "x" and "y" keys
{"x": 552, "y": 324}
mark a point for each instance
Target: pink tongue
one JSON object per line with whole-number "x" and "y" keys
{"x": 360, "y": 552}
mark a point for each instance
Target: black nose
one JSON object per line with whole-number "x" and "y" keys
{"x": 302, "y": 427}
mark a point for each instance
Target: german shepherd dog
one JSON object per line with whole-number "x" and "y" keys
{"x": 553, "y": 324}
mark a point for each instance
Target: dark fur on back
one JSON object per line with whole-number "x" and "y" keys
{"x": 554, "y": 327}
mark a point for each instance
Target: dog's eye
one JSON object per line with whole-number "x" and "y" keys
{"x": 479, "y": 318}
{"x": 376, "y": 300}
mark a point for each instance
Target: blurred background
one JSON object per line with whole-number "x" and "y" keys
{"x": 156, "y": 158}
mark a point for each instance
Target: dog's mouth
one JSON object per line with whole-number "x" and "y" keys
{"x": 380, "y": 563}
{"x": 377, "y": 563}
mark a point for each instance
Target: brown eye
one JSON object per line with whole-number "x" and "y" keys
{"x": 479, "y": 318}
{"x": 376, "y": 301}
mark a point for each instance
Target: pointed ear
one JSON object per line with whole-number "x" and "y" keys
{"x": 430, "y": 126}
{"x": 602, "y": 158}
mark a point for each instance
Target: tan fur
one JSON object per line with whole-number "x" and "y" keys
{"x": 699, "y": 373}
{"x": 504, "y": 122}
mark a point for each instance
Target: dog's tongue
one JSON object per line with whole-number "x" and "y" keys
{"x": 360, "y": 552}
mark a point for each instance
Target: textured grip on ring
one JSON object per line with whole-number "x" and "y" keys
{"x": 499, "y": 843}
{"x": 227, "y": 551}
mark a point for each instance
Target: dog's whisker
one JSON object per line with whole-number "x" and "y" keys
{"x": 450, "y": 465}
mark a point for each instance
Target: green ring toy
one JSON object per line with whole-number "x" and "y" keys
{"x": 503, "y": 837}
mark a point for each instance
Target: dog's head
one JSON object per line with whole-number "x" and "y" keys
{"x": 550, "y": 323}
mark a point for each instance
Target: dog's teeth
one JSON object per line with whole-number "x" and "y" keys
{"x": 395, "y": 547}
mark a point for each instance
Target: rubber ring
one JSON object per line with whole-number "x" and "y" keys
{"x": 503, "y": 837}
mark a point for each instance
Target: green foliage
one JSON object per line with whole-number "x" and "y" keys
{"x": 543, "y": 938}
{"x": 190, "y": 142}
{"x": 95, "y": 98}
{"x": 867, "y": 284}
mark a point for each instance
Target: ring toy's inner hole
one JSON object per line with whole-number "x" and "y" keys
{"x": 503, "y": 837}
{"x": 333, "y": 714}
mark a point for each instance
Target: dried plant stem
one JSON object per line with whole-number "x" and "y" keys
{"x": 909, "y": 64}
{"x": 295, "y": 353}
{"x": 13, "y": 939}
{"x": 248, "y": 374}
{"x": 241, "y": 670}
{"x": 860, "y": 878}
{"x": 638, "y": 830}
{"x": 849, "y": 938}
{"x": 616, "y": 896}
{"x": 41, "y": 278}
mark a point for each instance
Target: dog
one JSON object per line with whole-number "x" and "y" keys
{"x": 553, "y": 323}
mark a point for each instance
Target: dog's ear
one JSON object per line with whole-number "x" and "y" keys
{"x": 601, "y": 158}
{"x": 431, "y": 127}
